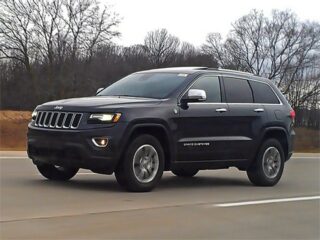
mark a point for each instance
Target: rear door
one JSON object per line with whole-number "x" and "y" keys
{"x": 272, "y": 105}
{"x": 246, "y": 118}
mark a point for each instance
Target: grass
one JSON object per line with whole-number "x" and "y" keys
{"x": 13, "y": 130}
{"x": 307, "y": 140}
{"x": 14, "y": 126}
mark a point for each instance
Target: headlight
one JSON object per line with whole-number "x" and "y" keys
{"x": 34, "y": 114}
{"x": 97, "y": 118}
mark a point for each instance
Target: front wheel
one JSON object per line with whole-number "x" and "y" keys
{"x": 57, "y": 173}
{"x": 142, "y": 166}
{"x": 268, "y": 167}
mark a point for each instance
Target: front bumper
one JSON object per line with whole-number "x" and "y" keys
{"x": 74, "y": 148}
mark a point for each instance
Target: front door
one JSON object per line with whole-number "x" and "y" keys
{"x": 202, "y": 127}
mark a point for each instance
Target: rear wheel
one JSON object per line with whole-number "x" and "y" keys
{"x": 268, "y": 167}
{"x": 57, "y": 173}
{"x": 181, "y": 172}
{"x": 142, "y": 166}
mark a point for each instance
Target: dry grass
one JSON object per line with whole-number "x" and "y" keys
{"x": 14, "y": 125}
{"x": 13, "y": 129}
{"x": 307, "y": 140}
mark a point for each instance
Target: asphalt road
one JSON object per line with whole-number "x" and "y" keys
{"x": 219, "y": 204}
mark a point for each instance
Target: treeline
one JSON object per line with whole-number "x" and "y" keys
{"x": 51, "y": 49}
{"x": 80, "y": 77}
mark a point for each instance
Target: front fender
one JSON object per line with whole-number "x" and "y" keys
{"x": 145, "y": 125}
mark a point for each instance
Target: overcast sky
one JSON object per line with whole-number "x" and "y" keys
{"x": 192, "y": 20}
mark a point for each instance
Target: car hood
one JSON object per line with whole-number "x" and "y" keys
{"x": 97, "y": 102}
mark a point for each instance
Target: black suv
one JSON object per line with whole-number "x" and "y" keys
{"x": 179, "y": 119}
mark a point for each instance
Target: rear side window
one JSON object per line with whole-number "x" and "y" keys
{"x": 237, "y": 90}
{"x": 263, "y": 93}
{"x": 211, "y": 85}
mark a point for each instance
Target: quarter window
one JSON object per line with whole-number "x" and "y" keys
{"x": 237, "y": 90}
{"x": 211, "y": 85}
{"x": 262, "y": 93}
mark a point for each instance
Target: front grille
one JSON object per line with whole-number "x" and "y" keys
{"x": 50, "y": 119}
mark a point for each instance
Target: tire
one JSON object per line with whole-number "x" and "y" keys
{"x": 142, "y": 166}
{"x": 268, "y": 167}
{"x": 181, "y": 172}
{"x": 56, "y": 173}
{"x": 120, "y": 177}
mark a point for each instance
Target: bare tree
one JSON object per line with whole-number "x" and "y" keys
{"x": 281, "y": 48}
{"x": 187, "y": 51}
{"x": 161, "y": 47}
{"x": 245, "y": 46}
{"x": 88, "y": 25}
{"x": 221, "y": 51}
{"x": 53, "y": 36}
{"x": 46, "y": 26}
{"x": 135, "y": 58}
{"x": 16, "y": 32}
{"x": 100, "y": 29}
{"x": 292, "y": 45}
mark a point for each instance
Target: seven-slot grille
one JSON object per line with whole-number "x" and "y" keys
{"x": 50, "y": 119}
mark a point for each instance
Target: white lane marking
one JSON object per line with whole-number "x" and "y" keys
{"x": 267, "y": 201}
{"x": 13, "y": 157}
{"x": 305, "y": 157}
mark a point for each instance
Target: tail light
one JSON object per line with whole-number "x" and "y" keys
{"x": 292, "y": 115}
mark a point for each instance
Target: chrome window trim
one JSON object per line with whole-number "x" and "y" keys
{"x": 231, "y": 76}
{"x": 254, "y": 80}
{"x": 208, "y": 103}
{"x": 255, "y": 103}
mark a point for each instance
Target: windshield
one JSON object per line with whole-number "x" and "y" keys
{"x": 148, "y": 85}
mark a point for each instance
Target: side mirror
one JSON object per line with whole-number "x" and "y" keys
{"x": 99, "y": 90}
{"x": 196, "y": 95}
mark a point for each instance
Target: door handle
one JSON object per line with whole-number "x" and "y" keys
{"x": 259, "y": 110}
{"x": 221, "y": 110}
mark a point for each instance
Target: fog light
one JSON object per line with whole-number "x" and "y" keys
{"x": 100, "y": 141}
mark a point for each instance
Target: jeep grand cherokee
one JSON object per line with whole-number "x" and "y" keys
{"x": 178, "y": 119}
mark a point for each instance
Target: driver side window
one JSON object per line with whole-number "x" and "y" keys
{"x": 211, "y": 85}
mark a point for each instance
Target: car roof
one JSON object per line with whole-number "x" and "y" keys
{"x": 190, "y": 70}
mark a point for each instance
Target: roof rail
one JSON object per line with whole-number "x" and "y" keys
{"x": 183, "y": 68}
{"x": 235, "y": 71}
{"x": 189, "y": 68}
{"x": 201, "y": 68}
